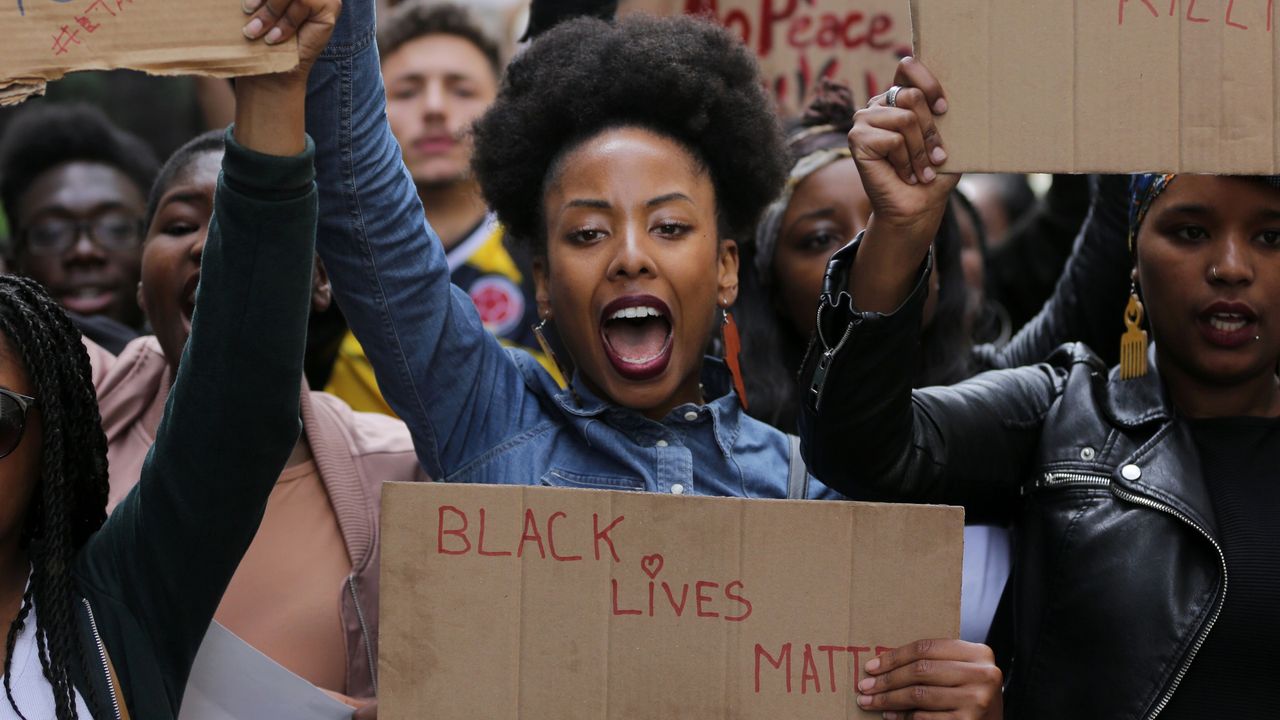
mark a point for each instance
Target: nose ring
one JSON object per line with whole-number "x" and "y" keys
{"x": 1214, "y": 272}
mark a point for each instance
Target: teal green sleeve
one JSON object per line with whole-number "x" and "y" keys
{"x": 169, "y": 550}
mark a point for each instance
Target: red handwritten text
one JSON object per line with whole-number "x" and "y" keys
{"x": 453, "y": 536}
{"x": 849, "y": 658}
{"x": 1223, "y": 12}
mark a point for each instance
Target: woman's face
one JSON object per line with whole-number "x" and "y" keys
{"x": 20, "y": 470}
{"x": 635, "y": 270}
{"x": 1209, "y": 268}
{"x": 172, "y": 251}
{"x": 827, "y": 210}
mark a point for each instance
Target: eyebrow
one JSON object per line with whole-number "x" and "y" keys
{"x": 825, "y": 212}
{"x": 60, "y": 210}
{"x": 590, "y": 203}
{"x": 669, "y": 197}
{"x": 1190, "y": 209}
{"x": 184, "y": 195}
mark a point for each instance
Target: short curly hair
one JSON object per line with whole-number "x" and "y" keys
{"x": 46, "y": 135}
{"x": 682, "y": 77}
{"x": 411, "y": 20}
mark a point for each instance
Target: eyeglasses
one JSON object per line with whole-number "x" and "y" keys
{"x": 112, "y": 231}
{"x": 13, "y": 419}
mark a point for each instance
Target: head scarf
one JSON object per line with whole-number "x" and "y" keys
{"x": 1143, "y": 191}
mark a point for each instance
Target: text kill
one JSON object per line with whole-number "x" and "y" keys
{"x": 1236, "y": 14}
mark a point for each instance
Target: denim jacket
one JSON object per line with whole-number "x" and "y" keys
{"x": 479, "y": 412}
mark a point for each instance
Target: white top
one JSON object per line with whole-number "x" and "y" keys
{"x": 31, "y": 690}
{"x": 988, "y": 557}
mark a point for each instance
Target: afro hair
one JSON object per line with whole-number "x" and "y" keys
{"x": 49, "y": 134}
{"x": 681, "y": 77}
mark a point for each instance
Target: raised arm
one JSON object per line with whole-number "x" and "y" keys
{"x": 444, "y": 375}
{"x": 171, "y": 547}
{"x": 865, "y": 433}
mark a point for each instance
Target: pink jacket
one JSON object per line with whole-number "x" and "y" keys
{"x": 354, "y": 453}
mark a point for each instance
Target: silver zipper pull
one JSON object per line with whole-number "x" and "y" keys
{"x": 820, "y": 377}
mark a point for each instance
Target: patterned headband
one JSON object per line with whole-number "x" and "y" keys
{"x": 770, "y": 226}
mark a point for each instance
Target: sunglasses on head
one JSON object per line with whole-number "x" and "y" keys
{"x": 13, "y": 419}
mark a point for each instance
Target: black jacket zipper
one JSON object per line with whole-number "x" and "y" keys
{"x": 1070, "y": 479}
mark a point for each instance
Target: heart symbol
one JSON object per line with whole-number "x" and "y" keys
{"x": 652, "y": 565}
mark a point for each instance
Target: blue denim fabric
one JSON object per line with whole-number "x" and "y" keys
{"x": 479, "y": 412}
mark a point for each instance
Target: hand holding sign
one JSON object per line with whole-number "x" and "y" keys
{"x": 899, "y": 153}
{"x": 949, "y": 678}
{"x": 276, "y": 21}
{"x": 899, "y": 150}
{"x": 270, "y": 114}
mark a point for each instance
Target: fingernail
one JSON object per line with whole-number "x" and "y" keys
{"x": 913, "y": 180}
{"x": 274, "y": 36}
{"x": 253, "y": 29}
{"x": 250, "y": 6}
{"x": 889, "y": 715}
{"x": 873, "y": 664}
{"x": 929, "y": 174}
{"x": 940, "y": 106}
{"x": 867, "y": 684}
{"x": 864, "y": 700}
{"x": 939, "y": 155}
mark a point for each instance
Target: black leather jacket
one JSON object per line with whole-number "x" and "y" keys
{"x": 1119, "y": 577}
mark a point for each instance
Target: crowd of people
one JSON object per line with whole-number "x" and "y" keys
{"x": 609, "y": 263}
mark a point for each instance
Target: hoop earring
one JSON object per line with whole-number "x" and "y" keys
{"x": 1133, "y": 344}
{"x": 566, "y": 372}
{"x": 732, "y": 347}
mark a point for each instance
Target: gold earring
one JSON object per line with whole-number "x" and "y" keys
{"x": 1133, "y": 344}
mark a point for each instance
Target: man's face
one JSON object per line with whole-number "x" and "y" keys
{"x": 80, "y": 225}
{"x": 437, "y": 86}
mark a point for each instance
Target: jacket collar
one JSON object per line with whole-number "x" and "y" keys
{"x": 1168, "y": 461}
{"x": 1137, "y": 402}
{"x": 717, "y": 385}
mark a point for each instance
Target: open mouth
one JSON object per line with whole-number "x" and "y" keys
{"x": 637, "y": 337}
{"x": 187, "y": 304}
{"x": 87, "y": 299}
{"x": 1229, "y": 325}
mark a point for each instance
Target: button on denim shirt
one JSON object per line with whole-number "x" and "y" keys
{"x": 479, "y": 412}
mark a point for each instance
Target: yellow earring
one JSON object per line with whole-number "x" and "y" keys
{"x": 1133, "y": 344}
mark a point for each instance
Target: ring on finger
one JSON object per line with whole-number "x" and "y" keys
{"x": 891, "y": 97}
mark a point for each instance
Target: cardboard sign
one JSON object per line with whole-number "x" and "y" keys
{"x": 1105, "y": 85}
{"x": 45, "y": 39}
{"x": 506, "y": 602}
{"x": 801, "y": 42}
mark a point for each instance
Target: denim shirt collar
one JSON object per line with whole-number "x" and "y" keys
{"x": 717, "y": 383}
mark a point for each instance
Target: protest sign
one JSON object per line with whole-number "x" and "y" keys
{"x": 506, "y": 602}
{"x": 45, "y": 39}
{"x": 1105, "y": 85}
{"x": 801, "y": 42}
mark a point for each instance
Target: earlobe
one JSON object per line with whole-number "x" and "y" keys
{"x": 728, "y": 273}
{"x": 542, "y": 293}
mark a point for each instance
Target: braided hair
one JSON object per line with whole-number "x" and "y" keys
{"x": 70, "y": 501}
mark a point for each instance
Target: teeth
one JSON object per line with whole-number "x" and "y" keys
{"x": 1227, "y": 322}
{"x": 632, "y": 313}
